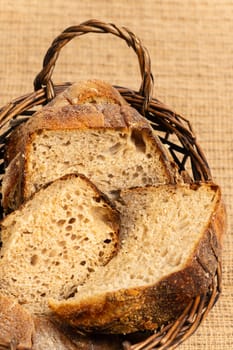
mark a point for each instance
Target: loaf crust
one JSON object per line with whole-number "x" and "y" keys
{"x": 16, "y": 325}
{"x": 80, "y": 107}
{"x": 21, "y": 330}
{"x": 147, "y": 308}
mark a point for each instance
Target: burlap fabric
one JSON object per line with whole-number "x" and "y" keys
{"x": 191, "y": 47}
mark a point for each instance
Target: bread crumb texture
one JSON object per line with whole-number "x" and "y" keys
{"x": 158, "y": 269}
{"x": 50, "y": 249}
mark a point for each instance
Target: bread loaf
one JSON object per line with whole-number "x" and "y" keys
{"x": 171, "y": 241}
{"x": 88, "y": 129}
{"x": 54, "y": 241}
{"x": 16, "y": 325}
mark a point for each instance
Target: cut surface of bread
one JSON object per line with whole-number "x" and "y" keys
{"x": 97, "y": 134}
{"x": 55, "y": 241}
{"x": 171, "y": 236}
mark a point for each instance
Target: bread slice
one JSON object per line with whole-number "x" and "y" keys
{"x": 16, "y": 325}
{"x": 171, "y": 240}
{"x": 55, "y": 241}
{"x": 88, "y": 129}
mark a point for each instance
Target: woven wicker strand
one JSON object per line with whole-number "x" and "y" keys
{"x": 174, "y": 131}
{"x": 95, "y": 26}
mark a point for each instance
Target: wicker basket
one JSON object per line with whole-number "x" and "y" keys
{"x": 174, "y": 131}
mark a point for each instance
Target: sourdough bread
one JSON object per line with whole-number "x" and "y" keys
{"x": 16, "y": 325}
{"x": 55, "y": 240}
{"x": 88, "y": 129}
{"x": 171, "y": 240}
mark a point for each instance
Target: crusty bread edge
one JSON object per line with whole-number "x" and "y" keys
{"x": 30, "y": 332}
{"x": 16, "y": 320}
{"x": 146, "y": 308}
{"x": 13, "y": 189}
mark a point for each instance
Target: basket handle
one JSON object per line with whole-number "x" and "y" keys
{"x": 44, "y": 78}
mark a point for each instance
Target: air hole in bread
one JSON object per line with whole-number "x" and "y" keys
{"x": 34, "y": 260}
{"x": 73, "y": 237}
{"x": 147, "y": 180}
{"x": 72, "y": 221}
{"x": 100, "y": 157}
{"x": 71, "y": 294}
{"x": 123, "y": 135}
{"x": 83, "y": 263}
{"x": 69, "y": 228}
{"x": 137, "y": 139}
{"x": 80, "y": 217}
{"x": 90, "y": 269}
{"x": 107, "y": 241}
{"x": 115, "y": 148}
{"x": 61, "y": 222}
{"x": 62, "y": 243}
{"x": 67, "y": 143}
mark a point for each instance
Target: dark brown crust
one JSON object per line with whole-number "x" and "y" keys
{"x": 146, "y": 308}
{"x": 11, "y": 186}
{"x": 88, "y": 91}
{"x": 16, "y": 325}
{"x": 108, "y": 114}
